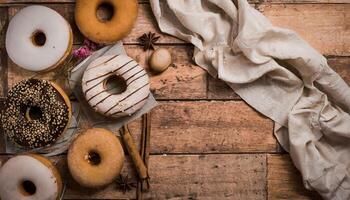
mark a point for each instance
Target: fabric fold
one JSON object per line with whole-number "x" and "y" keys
{"x": 277, "y": 73}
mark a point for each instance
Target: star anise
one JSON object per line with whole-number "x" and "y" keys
{"x": 148, "y": 40}
{"x": 124, "y": 183}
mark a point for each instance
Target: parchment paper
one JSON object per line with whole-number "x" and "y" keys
{"x": 94, "y": 118}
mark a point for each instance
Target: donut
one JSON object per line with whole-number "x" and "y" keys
{"x": 123, "y": 14}
{"x": 95, "y": 158}
{"x": 115, "y": 85}
{"x": 38, "y": 38}
{"x": 36, "y": 113}
{"x": 30, "y": 177}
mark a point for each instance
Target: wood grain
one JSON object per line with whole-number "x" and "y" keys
{"x": 341, "y": 66}
{"x": 210, "y": 127}
{"x": 324, "y": 26}
{"x": 183, "y": 80}
{"x": 240, "y": 176}
{"x": 307, "y": 1}
{"x": 284, "y": 180}
{"x": 75, "y": 191}
{"x": 218, "y": 89}
{"x": 206, "y": 127}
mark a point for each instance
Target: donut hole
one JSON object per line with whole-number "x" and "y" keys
{"x": 34, "y": 113}
{"x": 115, "y": 84}
{"x": 94, "y": 158}
{"x": 39, "y": 38}
{"x": 105, "y": 12}
{"x": 27, "y": 188}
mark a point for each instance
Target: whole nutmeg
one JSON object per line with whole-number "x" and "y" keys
{"x": 160, "y": 60}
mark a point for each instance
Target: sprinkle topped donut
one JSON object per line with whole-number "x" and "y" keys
{"x": 37, "y": 112}
{"x": 38, "y": 38}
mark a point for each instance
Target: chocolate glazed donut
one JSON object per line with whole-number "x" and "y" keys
{"x": 36, "y": 113}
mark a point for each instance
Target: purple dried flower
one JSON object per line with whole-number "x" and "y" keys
{"x": 91, "y": 45}
{"x": 82, "y": 53}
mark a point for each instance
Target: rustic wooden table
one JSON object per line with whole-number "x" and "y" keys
{"x": 206, "y": 143}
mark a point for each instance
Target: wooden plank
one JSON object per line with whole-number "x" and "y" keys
{"x": 341, "y": 66}
{"x": 218, "y": 89}
{"x": 233, "y": 176}
{"x": 284, "y": 180}
{"x": 324, "y": 26}
{"x": 307, "y": 1}
{"x": 210, "y": 127}
{"x": 145, "y": 23}
{"x": 183, "y": 80}
{"x": 75, "y": 191}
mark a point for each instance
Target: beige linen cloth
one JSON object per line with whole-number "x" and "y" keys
{"x": 277, "y": 73}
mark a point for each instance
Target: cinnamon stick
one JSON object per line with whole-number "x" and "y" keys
{"x": 134, "y": 154}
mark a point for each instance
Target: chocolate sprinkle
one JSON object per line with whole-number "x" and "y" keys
{"x": 36, "y": 132}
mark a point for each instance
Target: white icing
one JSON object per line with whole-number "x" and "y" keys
{"x": 135, "y": 94}
{"x": 21, "y": 168}
{"x": 20, "y": 47}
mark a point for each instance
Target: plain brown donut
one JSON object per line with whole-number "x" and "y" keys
{"x": 84, "y": 169}
{"x": 112, "y": 30}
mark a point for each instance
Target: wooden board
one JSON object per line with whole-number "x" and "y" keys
{"x": 284, "y": 181}
{"x": 306, "y": 1}
{"x": 204, "y": 149}
{"x": 210, "y": 127}
{"x": 234, "y": 176}
{"x": 324, "y": 26}
{"x": 183, "y": 80}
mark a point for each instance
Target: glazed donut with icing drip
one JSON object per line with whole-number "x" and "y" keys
{"x": 115, "y": 85}
{"x": 38, "y": 38}
{"x": 30, "y": 177}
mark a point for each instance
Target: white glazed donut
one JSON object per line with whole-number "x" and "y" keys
{"x": 38, "y": 38}
{"x": 29, "y": 177}
{"x": 103, "y": 99}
